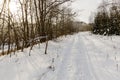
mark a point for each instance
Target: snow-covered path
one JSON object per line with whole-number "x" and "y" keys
{"x": 82, "y": 56}
{"x": 74, "y": 63}
{"x": 88, "y": 57}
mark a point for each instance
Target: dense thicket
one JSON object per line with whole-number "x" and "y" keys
{"x": 107, "y": 19}
{"x": 36, "y": 21}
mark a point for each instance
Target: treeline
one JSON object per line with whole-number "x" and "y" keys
{"x": 35, "y": 21}
{"x": 107, "y": 19}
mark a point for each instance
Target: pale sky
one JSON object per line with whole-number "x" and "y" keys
{"x": 84, "y": 8}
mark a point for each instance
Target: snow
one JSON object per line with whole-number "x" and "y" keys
{"x": 82, "y": 56}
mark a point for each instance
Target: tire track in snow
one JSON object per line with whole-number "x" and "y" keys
{"x": 74, "y": 64}
{"x": 60, "y": 63}
{"x": 91, "y": 71}
{"x": 63, "y": 67}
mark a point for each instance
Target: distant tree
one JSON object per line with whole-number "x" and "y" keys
{"x": 107, "y": 20}
{"x": 114, "y": 20}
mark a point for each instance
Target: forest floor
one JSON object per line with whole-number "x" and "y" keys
{"x": 82, "y": 56}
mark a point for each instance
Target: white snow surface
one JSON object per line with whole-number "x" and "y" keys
{"x": 82, "y": 56}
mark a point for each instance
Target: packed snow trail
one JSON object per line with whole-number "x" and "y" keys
{"x": 74, "y": 62}
{"x": 81, "y": 56}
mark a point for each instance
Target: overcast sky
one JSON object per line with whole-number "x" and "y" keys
{"x": 84, "y": 8}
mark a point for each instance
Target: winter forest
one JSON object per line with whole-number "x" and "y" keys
{"x": 59, "y": 39}
{"x": 107, "y": 19}
{"x": 35, "y": 21}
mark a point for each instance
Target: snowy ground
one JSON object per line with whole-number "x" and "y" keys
{"x": 82, "y": 56}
